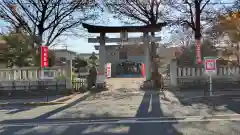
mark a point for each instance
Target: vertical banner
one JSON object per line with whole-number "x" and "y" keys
{"x": 44, "y": 56}
{"x": 198, "y": 52}
{"x": 109, "y": 70}
{"x": 143, "y": 70}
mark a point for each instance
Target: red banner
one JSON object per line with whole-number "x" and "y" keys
{"x": 44, "y": 56}
{"x": 198, "y": 52}
{"x": 143, "y": 70}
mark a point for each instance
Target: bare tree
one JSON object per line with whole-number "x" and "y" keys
{"x": 228, "y": 26}
{"x": 47, "y": 20}
{"x": 150, "y": 12}
{"x": 135, "y": 11}
{"x": 196, "y": 14}
{"x": 181, "y": 36}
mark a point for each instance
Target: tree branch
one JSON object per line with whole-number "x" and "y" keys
{"x": 204, "y": 5}
{"x": 192, "y": 23}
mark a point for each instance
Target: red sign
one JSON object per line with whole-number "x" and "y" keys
{"x": 210, "y": 64}
{"x": 44, "y": 56}
{"x": 198, "y": 52}
{"x": 108, "y": 70}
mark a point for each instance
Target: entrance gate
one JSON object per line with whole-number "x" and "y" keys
{"x": 124, "y": 38}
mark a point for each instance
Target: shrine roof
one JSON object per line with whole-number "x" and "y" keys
{"x": 118, "y": 29}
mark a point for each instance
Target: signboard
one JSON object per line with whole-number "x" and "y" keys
{"x": 44, "y": 56}
{"x": 210, "y": 65}
{"x": 109, "y": 70}
{"x": 198, "y": 52}
{"x": 100, "y": 78}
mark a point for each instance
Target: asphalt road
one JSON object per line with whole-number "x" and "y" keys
{"x": 125, "y": 111}
{"x": 125, "y": 127}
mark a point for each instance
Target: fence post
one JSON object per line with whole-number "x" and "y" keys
{"x": 13, "y": 88}
{"x": 57, "y": 85}
{"x": 173, "y": 74}
{"x": 68, "y": 70}
{"x": 29, "y": 85}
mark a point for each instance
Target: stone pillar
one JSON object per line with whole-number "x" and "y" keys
{"x": 147, "y": 56}
{"x": 68, "y": 71}
{"x": 15, "y": 74}
{"x": 102, "y": 60}
{"x": 173, "y": 74}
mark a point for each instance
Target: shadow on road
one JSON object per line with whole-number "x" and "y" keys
{"x": 150, "y": 107}
{"x": 229, "y": 102}
{"x": 16, "y": 105}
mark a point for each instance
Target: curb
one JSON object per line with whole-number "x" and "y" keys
{"x": 213, "y": 96}
{"x": 31, "y": 104}
{"x": 64, "y": 100}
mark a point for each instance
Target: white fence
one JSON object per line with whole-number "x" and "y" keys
{"x": 199, "y": 71}
{"x": 29, "y": 73}
{"x": 226, "y": 78}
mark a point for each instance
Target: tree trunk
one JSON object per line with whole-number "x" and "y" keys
{"x": 237, "y": 54}
{"x": 198, "y": 31}
{"x": 37, "y": 56}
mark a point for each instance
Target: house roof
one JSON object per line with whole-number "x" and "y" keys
{"x": 118, "y": 29}
{"x": 87, "y": 54}
{"x": 64, "y": 50}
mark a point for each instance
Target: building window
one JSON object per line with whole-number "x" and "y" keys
{"x": 63, "y": 59}
{"x": 111, "y": 54}
{"x": 123, "y": 55}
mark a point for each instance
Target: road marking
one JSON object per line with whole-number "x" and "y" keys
{"x": 192, "y": 118}
{"x": 215, "y": 95}
{"x": 66, "y": 123}
{"x": 161, "y": 118}
{"x": 126, "y": 121}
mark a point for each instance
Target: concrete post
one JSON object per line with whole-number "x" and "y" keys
{"x": 173, "y": 73}
{"x": 68, "y": 72}
{"x": 14, "y": 74}
{"x": 102, "y": 59}
{"x": 147, "y": 56}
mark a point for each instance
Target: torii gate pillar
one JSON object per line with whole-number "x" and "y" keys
{"x": 101, "y": 79}
{"x": 147, "y": 59}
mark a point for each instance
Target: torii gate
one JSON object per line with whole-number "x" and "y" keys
{"x": 123, "y": 30}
